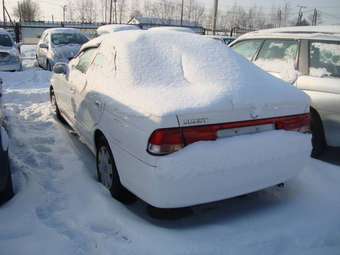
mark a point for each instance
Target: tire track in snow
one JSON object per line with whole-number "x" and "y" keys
{"x": 34, "y": 140}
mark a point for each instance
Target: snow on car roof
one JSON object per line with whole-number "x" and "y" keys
{"x": 63, "y": 30}
{"x": 172, "y": 28}
{"x": 299, "y": 32}
{"x": 3, "y": 31}
{"x": 115, "y": 28}
{"x": 162, "y": 72}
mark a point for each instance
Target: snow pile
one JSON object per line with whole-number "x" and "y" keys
{"x": 162, "y": 72}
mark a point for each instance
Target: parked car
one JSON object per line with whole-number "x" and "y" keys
{"x": 308, "y": 58}
{"x": 111, "y": 28}
{"x": 225, "y": 39}
{"x": 9, "y": 53}
{"x": 6, "y": 188}
{"x": 58, "y": 45}
{"x": 173, "y": 122}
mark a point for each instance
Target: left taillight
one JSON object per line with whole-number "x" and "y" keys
{"x": 165, "y": 141}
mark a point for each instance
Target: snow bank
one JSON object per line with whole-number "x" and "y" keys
{"x": 161, "y": 72}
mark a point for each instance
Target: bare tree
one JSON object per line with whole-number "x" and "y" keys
{"x": 84, "y": 11}
{"x": 27, "y": 10}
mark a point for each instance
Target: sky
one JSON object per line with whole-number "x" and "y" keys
{"x": 330, "y": 9}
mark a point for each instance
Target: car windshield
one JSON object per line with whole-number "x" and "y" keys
{"x": 5, "y": 40}
{"x": 68, "y": 38}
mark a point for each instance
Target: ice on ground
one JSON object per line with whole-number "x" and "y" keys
{"x": 162, "y": 72}
{"x": 60, "y": 208}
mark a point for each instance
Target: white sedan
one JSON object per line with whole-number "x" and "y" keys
{"x": 178, "y": 119}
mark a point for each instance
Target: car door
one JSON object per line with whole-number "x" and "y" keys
{"x": 322, "y": 84}
{"x": 279, "y": 57}
{"x": 247, "y": 48}
{"x": 42, "y": 52}
{"x": 79, "y": 93}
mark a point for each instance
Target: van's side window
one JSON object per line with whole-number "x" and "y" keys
{"x": 324, "y": 59}
{"x": 247, "y": 48}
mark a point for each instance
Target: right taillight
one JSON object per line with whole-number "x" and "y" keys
{"x": 168, "y": 140}
{"x": 300, "y": 123}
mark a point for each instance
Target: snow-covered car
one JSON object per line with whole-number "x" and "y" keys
{"x": 111, "y": 28}
{"x": 9, "y": 54}
{"x": 58, "y": 45}
{"x": 173, "y": 28}
{"x": 179, "y": 119}
{"x": 6, "y": 188}
{"x": 308, "y": 58}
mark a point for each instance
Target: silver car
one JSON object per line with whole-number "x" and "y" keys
{"x": 308, "y": 58}
{"x": 58, "y": 45}
{"x": 9, "y": 53}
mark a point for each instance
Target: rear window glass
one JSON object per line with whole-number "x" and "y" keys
{"x": 248, "y": 48}
{"x": 324, "y": 59}
{"x": 5, "y": 40}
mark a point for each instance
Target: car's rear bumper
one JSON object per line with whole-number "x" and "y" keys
{"x": 211, "y": 171}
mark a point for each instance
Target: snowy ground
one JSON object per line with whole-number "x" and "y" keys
{"x": 60, "y": 208}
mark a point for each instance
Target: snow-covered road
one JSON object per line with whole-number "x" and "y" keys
{"x": 60, "y": 208}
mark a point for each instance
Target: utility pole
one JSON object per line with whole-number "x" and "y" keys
{"x": 279, "y": 14}
{"x": 110, "y": 20}
{"x": 300, "y": 15}
{"x": 215, "y": 16}
{"x": 315, "y": 17}
{"x": 105, "y": 11}
{"x": 3, "y": 12}
{"x": 182, "y": 12}
{"x": 115, "y": 1}
{"x": 64, "y": 13}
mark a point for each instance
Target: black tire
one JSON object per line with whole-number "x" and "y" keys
{"x": 318, "y": 135}
{"x": 8, "y": 193}
{"x": 48, "y": 66}
{"x": 117, "y": 190}
{"x": 55, "y": 107}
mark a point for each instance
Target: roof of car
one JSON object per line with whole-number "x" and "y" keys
{"x": 115, "y": 28}
{"x": 3, "y": 31}
{"x": 298, "y": 32}
{"x": 63, "y": 30}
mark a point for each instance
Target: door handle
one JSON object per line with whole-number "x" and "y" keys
{"x": 73, "y": 90}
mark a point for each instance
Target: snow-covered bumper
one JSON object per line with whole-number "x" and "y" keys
{"x": 210, "y": 171}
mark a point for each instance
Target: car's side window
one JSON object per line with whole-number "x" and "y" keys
{"x": 105, "y": 63}
{"x": 324, "y": 59}
{"x": 279, "y": 56}
{"x": 85, "y": 59}
{"x": 247, "y": 48}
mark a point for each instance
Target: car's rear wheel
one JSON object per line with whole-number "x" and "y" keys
{"x": 318, "y": 135}
{"x": 8, "y": 193}
{"x": 54, "y": 106}
{"x": 108, "y": 175}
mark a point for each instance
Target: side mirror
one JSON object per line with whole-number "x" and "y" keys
{"x": 43, "y": 46}
{"x": 61, "y": 68}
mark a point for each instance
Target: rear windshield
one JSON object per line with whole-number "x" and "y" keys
{"x": 68, "y": 38}
{"x": 5, "y": 40}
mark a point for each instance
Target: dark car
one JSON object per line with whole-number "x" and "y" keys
{"x": 6, "y": 188}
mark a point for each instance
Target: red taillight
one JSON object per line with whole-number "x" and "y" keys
{"x": 168, "y": 140}
{"x": 300, "y": 123}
